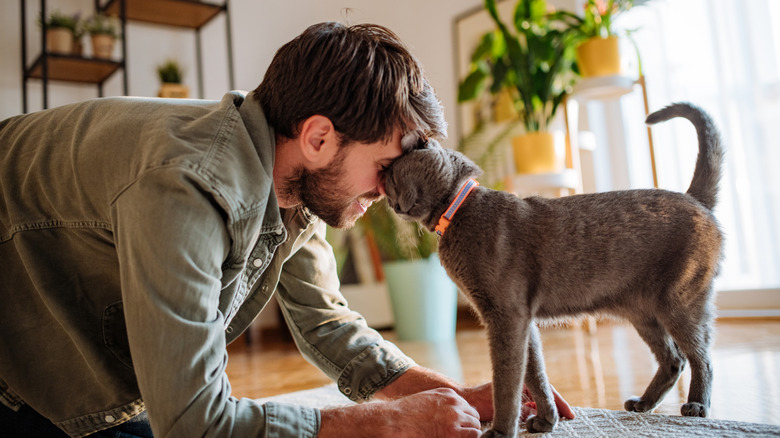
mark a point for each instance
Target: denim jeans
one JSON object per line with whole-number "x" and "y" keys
{"x": 26, "y": 423}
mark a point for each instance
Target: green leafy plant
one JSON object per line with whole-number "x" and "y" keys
{"x": 170, "y": 72}
{"x": 101, "y": 24}
{"x": 534, "y": 59}
{"x": 58, "y": 20}
{"x": 395, "y": 238}
{"x": 597, "y": 20}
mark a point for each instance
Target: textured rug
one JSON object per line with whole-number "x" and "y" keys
{"x": 589, "y": 422}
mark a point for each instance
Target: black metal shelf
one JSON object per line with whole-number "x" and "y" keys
{"x": 190, "y": 14}
{"x": 72, "y": 68}
{"x": 185, "y": 14}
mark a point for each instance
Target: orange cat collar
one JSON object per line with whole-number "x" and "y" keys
{"x": 444, "y": 220}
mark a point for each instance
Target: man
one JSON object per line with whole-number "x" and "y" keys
{"x": 139, "y": 236}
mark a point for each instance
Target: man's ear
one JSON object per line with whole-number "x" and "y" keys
{"x": 318, "y": 140}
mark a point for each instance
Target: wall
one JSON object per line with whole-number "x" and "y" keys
{"x": 259, "y": 28}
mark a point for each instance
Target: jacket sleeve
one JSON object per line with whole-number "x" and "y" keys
{"x": 330, "y": 335}
{"x": 171, "y": 241}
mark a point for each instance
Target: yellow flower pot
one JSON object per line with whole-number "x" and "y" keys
{"x": 599, "y": 57}
{"x": 535, "y": 153}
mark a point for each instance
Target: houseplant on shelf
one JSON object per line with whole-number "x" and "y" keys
{"x": 103, "y": 31}
{"x": 60, "y": 30}
{"x": 79, "y": 31}
{"x": 533, "y": 61}
{"x": 598, "y": 54}
{"x": 424, "y": 300}
{"x": 171, "y": 76}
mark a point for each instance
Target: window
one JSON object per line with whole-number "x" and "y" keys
{"x": 724, "y": 56}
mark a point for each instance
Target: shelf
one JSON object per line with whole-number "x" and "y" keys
{"x": 179, "y": 13}
{"x": 74, "y": 68}
{"x": 602, "y": 87}
{"x": 566, "y": 179}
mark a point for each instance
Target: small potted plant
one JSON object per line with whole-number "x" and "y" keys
{"x": 423, "y": 298}
{"x": 598, "y": 54}
{"x": 79, "y": 31}
{"x": 171, "y": 76}
{"x": 103, "y": 31}
{"x": 533, "y": 62}
{"x": 60, "y": 29}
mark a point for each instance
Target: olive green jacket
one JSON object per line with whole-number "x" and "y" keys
{"x": 137, "y": 238}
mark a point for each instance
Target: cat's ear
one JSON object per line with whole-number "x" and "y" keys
{"x": 430, "y": 144}
{"x": 416, "y": 140}
{"x": 463, "y": 166}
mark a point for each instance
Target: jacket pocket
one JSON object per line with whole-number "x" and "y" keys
{"x": 115, "y": 333}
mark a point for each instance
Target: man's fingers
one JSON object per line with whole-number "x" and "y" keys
{"x": 564, "y": 410}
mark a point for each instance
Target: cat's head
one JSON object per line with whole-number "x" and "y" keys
{"x": 421, "y": 183}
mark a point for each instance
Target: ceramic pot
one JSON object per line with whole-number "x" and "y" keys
{"x": 534, "y": 152}
{"x": 168, "y": 89}
{"x": 599, "y": 57}
{"x": 59, "y": 40}
{"x": 102, "y": 45}
{"x": 423, "y": 298}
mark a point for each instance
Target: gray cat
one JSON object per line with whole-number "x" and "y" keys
{"x": 647, "y": 256}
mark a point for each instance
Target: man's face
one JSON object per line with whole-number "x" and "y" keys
{"x": 340, "y": 192}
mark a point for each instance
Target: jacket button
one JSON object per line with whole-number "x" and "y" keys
{"x": 110, "y": 419}
{"x": 257, "y": 263}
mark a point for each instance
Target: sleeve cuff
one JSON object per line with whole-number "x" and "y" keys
{"x": 284, "y": 420}
{"x": 371, "y": 370}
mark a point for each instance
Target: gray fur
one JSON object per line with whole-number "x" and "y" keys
{"x": 647, "y": 256}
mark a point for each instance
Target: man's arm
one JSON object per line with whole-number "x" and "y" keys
{"x": 418, "y": 379}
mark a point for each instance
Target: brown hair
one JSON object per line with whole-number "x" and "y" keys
{"x": 361, "y": 77}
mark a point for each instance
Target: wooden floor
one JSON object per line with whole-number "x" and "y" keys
{"x": 598, "y": 369}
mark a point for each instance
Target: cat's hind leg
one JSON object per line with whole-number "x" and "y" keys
{"x": 692, "y": 330}
{"x": 671, "y": 363}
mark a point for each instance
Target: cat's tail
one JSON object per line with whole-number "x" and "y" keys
{"x": 706, "y": 175}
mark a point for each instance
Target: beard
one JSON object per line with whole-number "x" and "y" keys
{"x": 322, "y": 192}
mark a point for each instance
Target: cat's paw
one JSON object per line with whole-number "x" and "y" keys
{"x": 536, "y": 424}
{"x": 694, "y": 409}
{"x": 492, "y": 433}
{"x": 636, "y": 404}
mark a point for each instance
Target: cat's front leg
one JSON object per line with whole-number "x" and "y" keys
{"x": 508, "y": 339}
{"x": 539, "y": 387}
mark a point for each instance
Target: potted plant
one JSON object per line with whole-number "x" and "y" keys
{"x": 598, "y": 54}
{"x": 60, "y": 30}
{"x": 171, "y": 75}
{"x": 79, "y": 31}
{"x": 533, "y": 60}
{"x": 103, "y": 31}
{"x": 423, "y": 298}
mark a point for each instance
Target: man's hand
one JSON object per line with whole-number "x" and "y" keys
{"x": 529, "y": 405}
{"x": 434, "y": 413}
{"x": 423, "y": 403}
{"x": 481, "y": 397}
